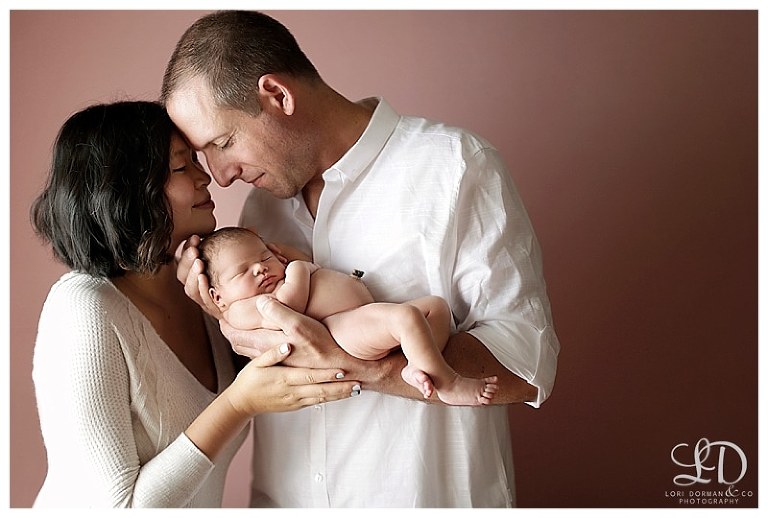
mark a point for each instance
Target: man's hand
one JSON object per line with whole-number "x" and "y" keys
{"x": 288, "y": 253}
{"x": 312, "y": 344}
{"x": 190, "y": 271}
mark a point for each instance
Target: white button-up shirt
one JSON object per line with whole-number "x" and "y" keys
{"x": 423, "y": 209}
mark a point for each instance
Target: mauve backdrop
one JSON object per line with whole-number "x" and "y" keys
{"x": 632, "y": 137}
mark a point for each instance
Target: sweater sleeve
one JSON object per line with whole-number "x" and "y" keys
{"x": 84, "y": 403}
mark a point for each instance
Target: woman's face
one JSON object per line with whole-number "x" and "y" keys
{"x": 187, "y": 192}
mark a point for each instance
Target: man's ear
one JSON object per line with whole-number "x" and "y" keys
{"x": 275, "y": 92}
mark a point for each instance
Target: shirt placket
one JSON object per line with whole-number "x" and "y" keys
{"x": 317, "y": 459}
{"x": 321, "y": 247}
{"x": 321, "y": 252}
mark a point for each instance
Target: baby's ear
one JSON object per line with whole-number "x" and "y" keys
{"x": 217, "y": 298}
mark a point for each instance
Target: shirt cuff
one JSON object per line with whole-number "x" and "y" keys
{"x": 525, "y": 351}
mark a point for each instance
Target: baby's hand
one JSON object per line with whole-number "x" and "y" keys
{"x": 296, "y": 267}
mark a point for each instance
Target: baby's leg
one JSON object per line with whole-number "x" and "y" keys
{"x": 363, "y": 331}
{"x": 371, "y": 331}
{"x": 368, "y": 333}
{"x": 423, "y": 344}
{"x": 438, "y": 315}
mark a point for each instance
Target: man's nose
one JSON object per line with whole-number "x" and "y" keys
{"x": 223, "y": 173}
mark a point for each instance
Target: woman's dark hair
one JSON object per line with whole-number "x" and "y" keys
{"x": 104, "y": 209}
{"x": 232, "y": 50}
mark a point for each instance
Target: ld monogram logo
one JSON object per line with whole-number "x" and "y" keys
{"x": 701, "y": 454}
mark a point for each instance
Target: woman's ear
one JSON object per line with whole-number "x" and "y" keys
{"x": 273, "y": 91}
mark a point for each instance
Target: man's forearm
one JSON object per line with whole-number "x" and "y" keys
{"x": 468, "y": 357}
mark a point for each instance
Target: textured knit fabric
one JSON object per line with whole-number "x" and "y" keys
{"x": 114, "y": 401}
{"x": 423, "y": 209}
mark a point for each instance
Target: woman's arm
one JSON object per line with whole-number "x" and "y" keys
{"x": 83, "y": 385}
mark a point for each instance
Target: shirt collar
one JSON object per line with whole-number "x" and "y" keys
{"x": 383, "y": 122}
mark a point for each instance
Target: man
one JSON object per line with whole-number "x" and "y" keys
{"x": 422, "y": 209}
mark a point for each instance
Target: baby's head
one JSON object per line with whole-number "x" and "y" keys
{"x": 239, "y": 265}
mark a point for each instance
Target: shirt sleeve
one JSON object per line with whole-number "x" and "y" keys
{"x": 499, "y": 287}
{"x": 82, "y": 386}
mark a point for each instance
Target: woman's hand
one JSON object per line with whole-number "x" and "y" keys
{"x": 264, "y": 386}
{"x": 190, "y": 271}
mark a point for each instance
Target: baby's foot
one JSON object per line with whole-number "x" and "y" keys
{"x": 418, "y": 379}
{"x": 468, "y": 391}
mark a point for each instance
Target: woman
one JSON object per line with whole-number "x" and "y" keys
{"x": 137, "y": 396}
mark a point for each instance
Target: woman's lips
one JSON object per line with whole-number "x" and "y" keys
{"x": 207, "y": 204}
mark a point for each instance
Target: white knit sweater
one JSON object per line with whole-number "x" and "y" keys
{"x": 114, "y": 402}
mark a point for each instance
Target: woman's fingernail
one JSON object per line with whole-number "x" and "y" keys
{"x": 284, "y": 348}
{"x": 339, "y": 375}
{"x": 355, "y": 391}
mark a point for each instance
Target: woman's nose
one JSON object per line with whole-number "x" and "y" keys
{"x": 205, "y": 179}
{"x": 202, "y": 178}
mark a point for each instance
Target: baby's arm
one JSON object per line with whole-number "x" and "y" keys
{"x": 244, "y": 314}
{"x": 294, "y": 292}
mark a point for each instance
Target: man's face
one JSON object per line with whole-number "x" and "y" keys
{"x": 263, "y": 150}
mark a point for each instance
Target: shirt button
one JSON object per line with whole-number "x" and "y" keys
{"x": 319, "y": 477}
